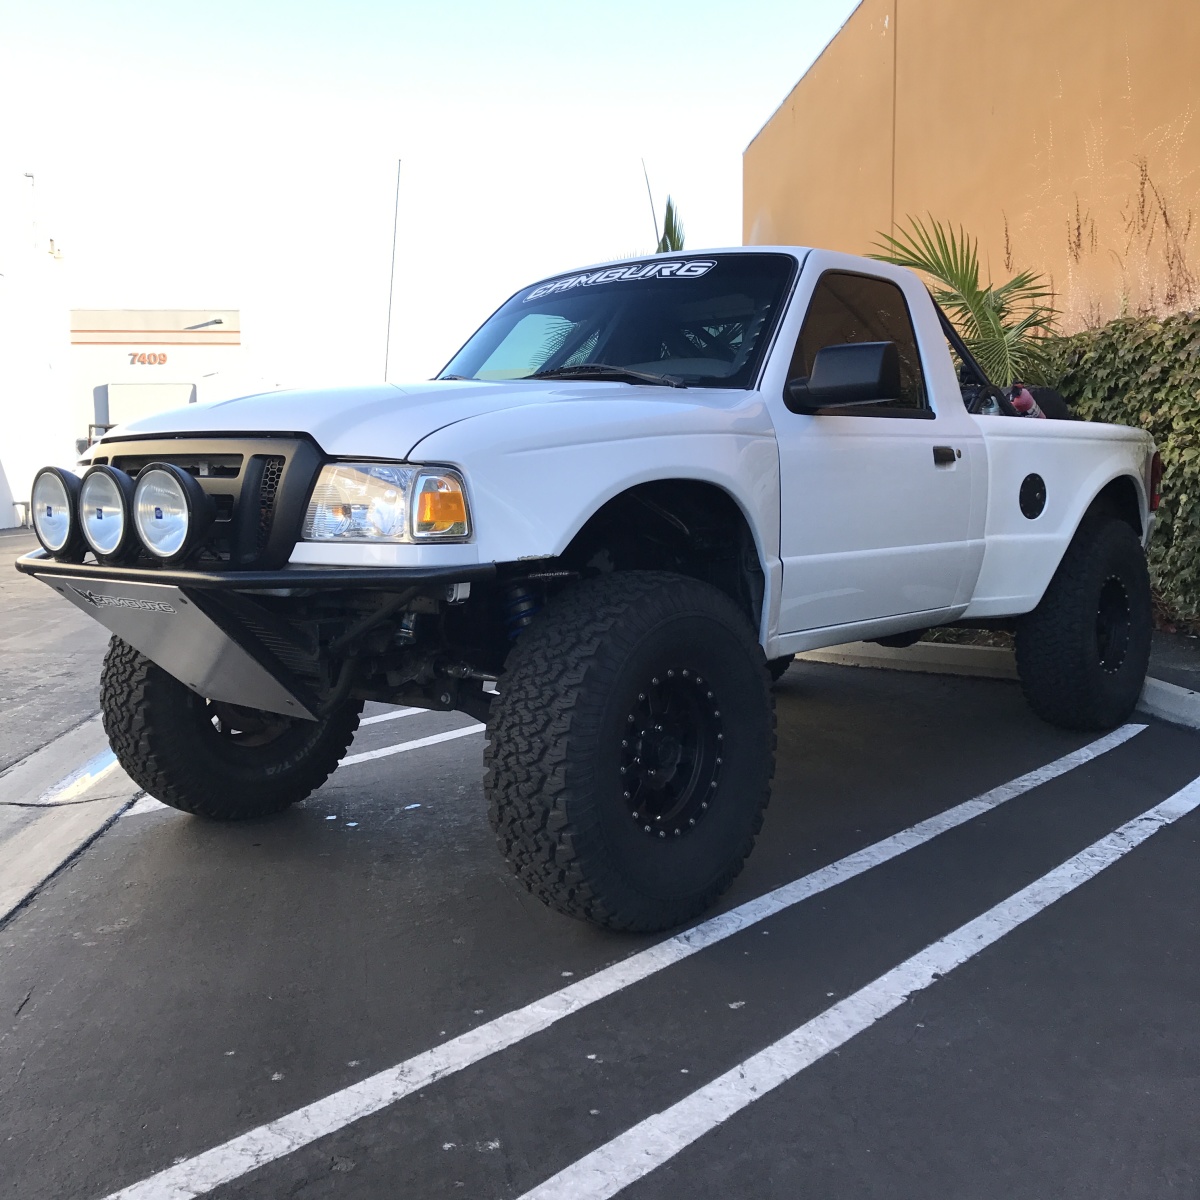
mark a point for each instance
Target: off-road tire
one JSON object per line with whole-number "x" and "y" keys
{"x": 558, "y": 742}
{"x": 777, "y": 667}
{"x": 163, "y": 736}
{"x": 1082, "y": 653}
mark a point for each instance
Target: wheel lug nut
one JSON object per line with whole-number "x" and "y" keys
{"x": 716, "y": 712}
{"x": 641, "y": 695}
{"x": 718, "y": 762}
{"x": 670, "y": 674}
{"x": 624, "y": 745}
{"x": 662, "y": 833}
{"x": 647, "y": 828}
{"x": 703, "y": 803}
{"x": 713, "y": 784}
{"x": 654, "y": 681}
{"x": 677, "y": 833}
{"x": 691, "y": 820}
{"x": 685, "y": 674}
{"x": 720, "y": 737}
{"x": 709, "y": 694}
{"x": 622, "y": 770}
{"x": 635, "y": 816}
{"x": 627, "y": 797}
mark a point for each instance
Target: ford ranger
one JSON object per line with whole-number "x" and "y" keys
{"x": 624, "y": 505}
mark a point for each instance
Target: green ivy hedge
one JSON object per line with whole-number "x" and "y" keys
{"x": 1142, "y": 371}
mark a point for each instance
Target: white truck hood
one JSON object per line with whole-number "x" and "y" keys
{"x": 389, "y": 420}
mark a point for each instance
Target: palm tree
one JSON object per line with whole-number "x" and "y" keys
{"x": 672, "y": 232}
{"x": 1004, "y": 327}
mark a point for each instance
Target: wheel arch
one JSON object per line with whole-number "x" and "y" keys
{"x": 689, "y": 525}
{"x": 1122, "y": 497}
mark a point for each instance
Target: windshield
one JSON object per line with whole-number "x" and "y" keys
{"x": 700, "y": 321}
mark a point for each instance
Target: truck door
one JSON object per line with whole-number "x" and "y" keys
{"x": 876, "y": 499}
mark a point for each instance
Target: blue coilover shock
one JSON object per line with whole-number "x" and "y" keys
{"x": 521, "y": 605}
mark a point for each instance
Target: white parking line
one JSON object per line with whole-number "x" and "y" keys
{"x": 401, "y": 747}
{"x": 394, "y": 715}
{"x": 240, "y": 1155}
{"x": 147, "y": 804}
{"x": 650, "y": 1143}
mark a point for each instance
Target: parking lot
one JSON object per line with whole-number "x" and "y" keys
{"x": 905, "y": 994}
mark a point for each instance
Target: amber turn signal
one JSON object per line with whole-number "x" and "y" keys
{"x": 440, "y": 507}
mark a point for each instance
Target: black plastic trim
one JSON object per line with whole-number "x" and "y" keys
{"x": 874, "y": 408}
{"x": 38, "y": 562}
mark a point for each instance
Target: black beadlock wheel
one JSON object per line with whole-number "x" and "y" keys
{"x": 630, "y": 750}
{"x": 209, "y": 758}
{"x": 1082, "y": 654}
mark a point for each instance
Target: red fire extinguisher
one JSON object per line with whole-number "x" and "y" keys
{"x": 1024, "y": 403}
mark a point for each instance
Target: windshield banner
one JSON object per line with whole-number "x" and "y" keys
{"x": 691, "y": 268}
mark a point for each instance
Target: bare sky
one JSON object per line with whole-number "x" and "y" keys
{"x": 243, "y": 154}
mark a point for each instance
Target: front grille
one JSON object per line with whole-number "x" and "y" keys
{"x": 258, "y": 487}
{"x": 203, "y": 466}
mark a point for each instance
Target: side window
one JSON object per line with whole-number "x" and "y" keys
{"x": 856, "y": 308}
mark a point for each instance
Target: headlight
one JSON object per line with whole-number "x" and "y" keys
{"x": 170, "y": 510}
{"x": 55, "y": 519}
{"x": 383, "y": 502}
{"x": 105, "y": 504}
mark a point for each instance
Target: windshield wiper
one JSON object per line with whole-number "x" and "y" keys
{"x": 601, "y": 371}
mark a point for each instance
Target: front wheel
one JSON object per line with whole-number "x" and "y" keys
{"x": 1082, "y": 653}
{"x": 208, "y": 758}
{"x": 630, "y": 750}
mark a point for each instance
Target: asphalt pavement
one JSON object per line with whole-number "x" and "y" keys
{"x": 50, "y": 655}
{"x": 905, "y": 994}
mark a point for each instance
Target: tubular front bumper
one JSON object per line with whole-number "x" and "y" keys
{"x": 200, "y": 627}
{"x": 39, "y": 563}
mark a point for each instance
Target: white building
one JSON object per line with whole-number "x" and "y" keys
{"x": 35, "y": 424}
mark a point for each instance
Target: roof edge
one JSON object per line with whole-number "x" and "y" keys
{"x": 817, "y": 59}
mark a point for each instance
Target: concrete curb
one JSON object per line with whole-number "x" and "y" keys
{"x": 1167, "y": 701}
{"x": 930, "y": 658}
{"x": 47, "y": 818}
{"x": 1170, "y": 702}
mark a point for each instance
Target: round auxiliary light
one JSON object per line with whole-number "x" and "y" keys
{"x": 55, "y": 518}
{"x": 105, "y": 508}
{"x": 170, "y": 510}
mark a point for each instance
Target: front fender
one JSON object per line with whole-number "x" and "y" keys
{"x": 537, "y": 475}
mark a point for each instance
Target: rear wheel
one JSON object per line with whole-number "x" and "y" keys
{"x": 207, "y": 757}
{"x": 1082, "y": 653}
{"x": 630, "y": 750}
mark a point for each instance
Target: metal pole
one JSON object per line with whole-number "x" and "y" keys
{"x": 392, "y": 277}
{"x": 653, "y": 211}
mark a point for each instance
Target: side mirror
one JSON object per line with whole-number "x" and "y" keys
{"x": 854, "y": 373}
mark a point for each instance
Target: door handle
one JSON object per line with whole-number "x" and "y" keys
{"x": 944, "y": 456}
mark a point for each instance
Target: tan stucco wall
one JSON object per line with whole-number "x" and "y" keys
{"x": 1063, "y": 134}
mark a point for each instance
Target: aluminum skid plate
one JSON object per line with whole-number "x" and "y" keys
{"x": 160, "y": 621}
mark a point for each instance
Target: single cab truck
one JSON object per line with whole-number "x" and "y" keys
{"x": 622, "y": 507}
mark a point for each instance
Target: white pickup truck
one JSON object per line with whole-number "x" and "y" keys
{"x": 630, "y": 498}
